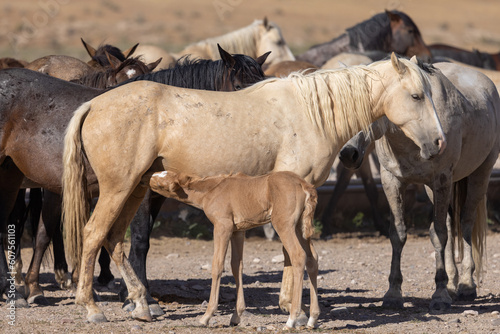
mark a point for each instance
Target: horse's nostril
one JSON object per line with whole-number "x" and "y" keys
{"x": 355, "y": 155}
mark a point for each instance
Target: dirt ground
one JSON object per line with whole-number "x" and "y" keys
{"x": 353, "y": 268}
{"x": 352, "y": 281}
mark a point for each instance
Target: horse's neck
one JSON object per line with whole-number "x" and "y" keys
{"x": 321, "y": 53}
{"x": 372, "y": 34}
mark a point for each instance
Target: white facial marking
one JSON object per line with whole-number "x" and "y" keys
{"x": 131, "y": 73}
{"x": 160, "y": 174}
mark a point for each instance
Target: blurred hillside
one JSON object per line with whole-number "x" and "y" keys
{"x": 30, "y": 29}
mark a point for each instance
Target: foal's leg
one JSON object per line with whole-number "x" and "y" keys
{"x": 237, "y": 242}
{"x": 312, "y": 272}
{"x": 223, "y": 230}
{"x": 286, "y": 232}
{"x": 394, "y": 190}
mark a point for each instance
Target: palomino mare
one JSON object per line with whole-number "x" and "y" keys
{"x": 48, "y": 117}
{"x": 275, "y": 125}
{"x": 490, "y": 61}
{"x": 235, "y": 203}
{"x": 253, "y": 40}
{"x": 468, "y": 106}
{"x": 391, "y": 31}
{"x": 150, "y": 52}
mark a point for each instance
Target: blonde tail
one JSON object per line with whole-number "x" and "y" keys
{"x": 309, "y": 207}
{"x": 75, "y": 206}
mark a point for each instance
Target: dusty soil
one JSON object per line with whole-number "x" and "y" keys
{"x": 353, "y": 279}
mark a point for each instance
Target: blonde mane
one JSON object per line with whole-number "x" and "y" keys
{"x": 241, "y": 41}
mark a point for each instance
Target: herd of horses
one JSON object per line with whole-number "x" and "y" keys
{"x": 204, "y": 125}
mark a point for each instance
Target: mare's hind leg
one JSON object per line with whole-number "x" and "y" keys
{"x": 394, "y": 190}
{"x": 223, "y": 230}
{"x": 237, "y": 241}
{"x": 474, "y": 225}
{"x": 113, "y": 208}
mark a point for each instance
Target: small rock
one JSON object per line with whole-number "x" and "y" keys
{"x": 495, "y": 313}
{"x": 204, "y": 304}
{"x": 256, "y": 260}
{"x": 339, "y": 310}
{"x": 172, "y": 256}
{"x": 66, "y": 321}
{"x": 495, "y": 322}
{"x": 470, "y": 312}
{"x": 260, "y": 329}
{"x": 454, "y": 321}
{"x": 136, "y": 328}
{"x": 207, "y": 266}
{"x": 278, "y": 259}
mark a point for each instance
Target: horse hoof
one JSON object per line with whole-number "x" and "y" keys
{"x": 142, "y": 316}
{"x": 97, "y": 318}
{"x": 156, "y": 310}
{"x": 393, "y": 304}
{"x": 467, "y": 295}
{"x": 301, "y": 320}
{"x": 128, "y": 306}
{"x": 19, "y": 302}
{"x": 39, "y": 300}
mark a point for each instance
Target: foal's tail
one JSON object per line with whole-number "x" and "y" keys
{"x": 75, "y": 202}
{"x": 478, "y": 231}
{"x": 309, "y": 207}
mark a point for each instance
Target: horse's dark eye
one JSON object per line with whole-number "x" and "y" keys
{"x": 237, "y": 87}
{"x": 416, "y": 97}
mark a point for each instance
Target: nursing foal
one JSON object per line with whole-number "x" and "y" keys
{"x": 237, "y": 202}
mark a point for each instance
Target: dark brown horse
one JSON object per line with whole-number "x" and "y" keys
{"x": 98, "y": 57}
{"x": 391, "y": 31}
{"x": 476, "y": 58}
{"x": 47, "y": 105}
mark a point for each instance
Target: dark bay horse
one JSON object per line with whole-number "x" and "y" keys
{"x": 391, "y": 31}
{"x": 490, "y": 61}
{"x": 468, "y": 106}
{"x": 44, "y": 105}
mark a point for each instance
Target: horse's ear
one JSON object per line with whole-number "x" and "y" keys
{"x": 393, "y": 16}
{"x": 90, "y": 50}
{"x": 261, "y": 60}
{"x": 226, "y": 57}
{"x": 113, "y": 61}
{"x": 265, "y": 22}
{"x": 130, "y": 51}
{"x": 414, "y": 60}
{"x": 153, "y": 65}
{"x": 397, "y": 64}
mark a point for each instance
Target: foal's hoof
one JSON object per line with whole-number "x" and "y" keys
{"x": 97, "y": 318}
{"x": 156, "y": 310}
{"x": 39, "y": 300}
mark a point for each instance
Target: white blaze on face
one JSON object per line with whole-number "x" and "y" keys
{"x": 160, "y": 174}
{"x": 131, "y": 73}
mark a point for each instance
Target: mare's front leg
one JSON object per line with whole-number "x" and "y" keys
{"x": 237, "y": 241}
{"x": 223, "y": 230}
{"x": 395, "y": 190}
{"x": 441, "y": 195}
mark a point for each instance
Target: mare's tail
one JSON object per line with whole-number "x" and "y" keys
{"x": 75, "y": 202}
{"x": 309, "y": 207}
{"x": 478, "y": 231}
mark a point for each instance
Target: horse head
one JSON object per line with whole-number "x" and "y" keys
{"x": 406, "y": 37}
{"x": 127, "y": 69}
{"x": 99, "y": 56}
{"x": 242, "y": 70}
{"x": 271, "y": 39}
{"x": 409, "y": 85}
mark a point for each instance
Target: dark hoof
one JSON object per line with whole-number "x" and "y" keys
{"x": 128, "y": 306}
{"x": 397, "y": 304}
{"x": 104, "y": 281}
{"x": 467, "y": 296}
{"x": 39, "y": 300}
{"x": 156, "y": 310}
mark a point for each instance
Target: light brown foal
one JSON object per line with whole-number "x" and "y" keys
{"x": 237, "y": 202}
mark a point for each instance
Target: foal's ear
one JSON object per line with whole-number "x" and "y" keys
{"x": 261, "y": 60}
{"x": 152, "y": 66}
{"x": 130, "y": 51}
{"x": 265, "y": 22}
{"x": 90, "y": 50}
{"x": 114, "y": 62}
{"x": 226, "y": 57}
{"x": 397, "y": 64}
{"x": 394, "y": 17}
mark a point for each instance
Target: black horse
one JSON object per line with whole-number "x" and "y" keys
{"x": 34, "y": 112}
{"x": 389, "y": 31}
